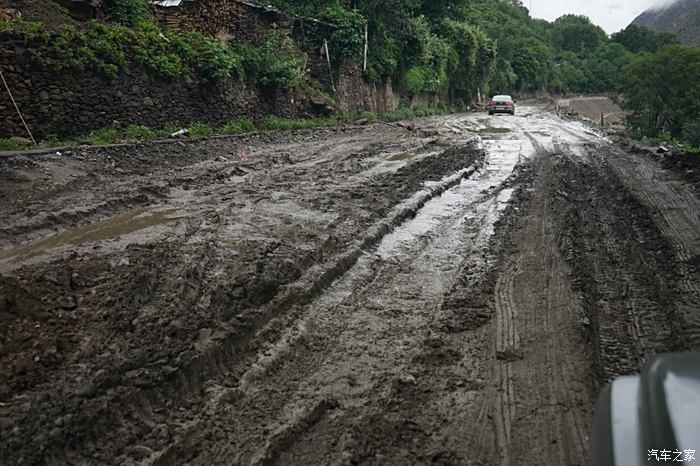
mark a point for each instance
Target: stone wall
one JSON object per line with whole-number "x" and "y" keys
{"x": 354, "y": 94}
{"x": 65, "y": 104}
{"x": 221, "y": 18}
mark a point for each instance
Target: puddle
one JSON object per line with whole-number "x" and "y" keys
{"x": 337, "y": 156}
{"x": 493, "y": 130}
{"x": 401, "y": 156}
{"x": 112, "y": 227}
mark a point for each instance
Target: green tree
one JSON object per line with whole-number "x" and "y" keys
{"x": 641, "y": 39}
{"x": 577, "y": 34}
{"x": 662, "y": 93}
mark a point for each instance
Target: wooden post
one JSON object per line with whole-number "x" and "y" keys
{"x": 602, "y": 120}
{"x": 364, "y": 67}
{"x": 328, "y": 59}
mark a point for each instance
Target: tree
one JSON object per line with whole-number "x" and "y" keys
{"x": 641, "y": 39}
{"x": 661, "y": 91}
{"x": 577, "y": 34}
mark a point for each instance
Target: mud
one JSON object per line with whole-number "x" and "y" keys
{"x": 452, "y": 290}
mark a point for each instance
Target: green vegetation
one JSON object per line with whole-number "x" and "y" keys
{"x": 136, "y": 133}
{"x": 662, "y": 93}
{"x": 128, "y": 12}
{"x": 237, "y": 126}
{"x": 640, "y": 39}
{"x": 452, "y": 48}
{"x": 460, "y": 47}
{"x": 12, "y": 144}
{"x": 276, "y": 64}
{"x": 201, "y": 130}
{"x": 107, "y": 48}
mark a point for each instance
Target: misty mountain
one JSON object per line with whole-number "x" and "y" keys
{"x": 681, "y": 17}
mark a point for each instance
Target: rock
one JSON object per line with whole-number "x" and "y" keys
{"x": 174, "y": 326}
{"x": 407, "y": 379}
{"x": 86, "y": 390}
{"x": 43, "y": 95}
{"x": 67, "y": 303}
{"x": 148, "y": 102}
{"x": 662, "y": 150}
{"x": 362, "y": 121}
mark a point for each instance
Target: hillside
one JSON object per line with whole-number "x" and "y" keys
{"x": 681, "y": 17}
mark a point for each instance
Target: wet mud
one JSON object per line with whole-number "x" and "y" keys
{"x": 450, "y": 291}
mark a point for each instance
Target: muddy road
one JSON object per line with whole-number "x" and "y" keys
{"x": 450, "y": 290}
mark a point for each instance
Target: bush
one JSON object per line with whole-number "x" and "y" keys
{"x": 103, "y": 136}
{"x": 278, "y": 64}
{"x": 370, "y": 116}
{"x": 98, "y": 49}
{"x": 239, "y": 125}
{"x": 414, "y": 80}
{"x": 139, "y": 133}
{"x": 347, "y": 39}
{"x": 201, "y": 129}
{"x": 153, "y": 49}
{"x": 128, "y": 12}
{"x": 401, "y": 113}
{"x": 11, "y": 144}
{"x": 213, "y": 60}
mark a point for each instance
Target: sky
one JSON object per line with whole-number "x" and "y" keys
{"x": 611, "y": 15}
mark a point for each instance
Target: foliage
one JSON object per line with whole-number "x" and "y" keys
{"x": 641, "y": 39}
{"x": 153, "y": 48}
{"x": 11, "y": 144}
{"x": 30, "y": 28}
{"x": 277, "y": 64}
{"x": 662, "y": 94}
{"x": 139, "y": 133}
{"x": 103, "y": 136}
{"x": 200, "y": 130}
{"x": 239, "y": 125}
{"x": 347, "y": 38}
{"x": 96, "y": 48}
{"x": 576, "y": 34}
{"x": 128, "y": 12}
{"x": 212, "y": 59}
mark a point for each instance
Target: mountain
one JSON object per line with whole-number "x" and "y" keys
{"x": 681, "y": 17}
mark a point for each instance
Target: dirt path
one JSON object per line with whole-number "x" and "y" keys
{"x": 452, "y": 290}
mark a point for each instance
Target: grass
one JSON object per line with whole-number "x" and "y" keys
{"x": 138, "y": 132}
{"x": 238, "y": 126}
{"x": 11, "y": 144}
{"x": 201, "y": 130}
{"x": 40, "y": 183}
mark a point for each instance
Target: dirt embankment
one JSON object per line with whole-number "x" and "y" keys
{"x": 592, "y": 108}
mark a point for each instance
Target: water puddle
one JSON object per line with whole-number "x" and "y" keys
{"x": 401, "y": 156}
{"x": 493, "y": 130}
{"x": 133, "y": 221}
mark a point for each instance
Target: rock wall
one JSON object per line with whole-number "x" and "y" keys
{"x": 354, "y": 94}
{"x": 64, "y": 104}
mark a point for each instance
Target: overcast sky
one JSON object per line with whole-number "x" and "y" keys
{"x": 611, "y": 15}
